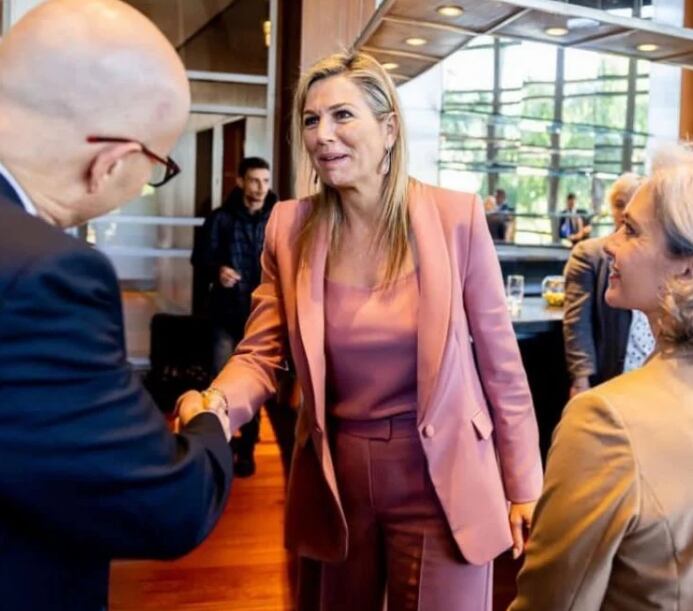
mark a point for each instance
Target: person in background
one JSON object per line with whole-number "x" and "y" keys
{"x": 614, "y": 525}
{"x": 502, "y": 201}
{"x": 571, "y": 224}
{"x": 508, "y": 215}
{"x": 92, "y": 99}
{"x": 600, "y": 341}
{"x": 228, "y": 251}
{"x": 495, "y": 220}
{"x": 375, "y": 286}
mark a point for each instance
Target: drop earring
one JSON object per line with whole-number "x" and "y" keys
{"x": 387, "y": 161}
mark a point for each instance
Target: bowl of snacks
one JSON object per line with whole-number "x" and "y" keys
{"x": 553, "y": 291}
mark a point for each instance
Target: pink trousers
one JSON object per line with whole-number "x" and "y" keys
{"x": 400, "y": 546}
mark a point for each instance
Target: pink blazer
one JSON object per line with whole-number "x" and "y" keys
{"x": 476, "y": 422}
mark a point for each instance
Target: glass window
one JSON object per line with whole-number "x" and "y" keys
{"x": 522, "y": 141}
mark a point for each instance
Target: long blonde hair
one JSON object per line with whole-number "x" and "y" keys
{"x": 381, "y": 96}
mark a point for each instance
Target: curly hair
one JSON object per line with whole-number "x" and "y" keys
{"x": 671, "y": 185}
{"x": 676, "y": 318}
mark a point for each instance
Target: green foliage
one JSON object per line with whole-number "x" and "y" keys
{"x": 516, "y": 143}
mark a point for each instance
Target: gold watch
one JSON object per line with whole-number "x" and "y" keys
{"x": 213, "y": 397}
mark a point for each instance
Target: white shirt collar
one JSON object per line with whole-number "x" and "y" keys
{"x": 21, "y": 194}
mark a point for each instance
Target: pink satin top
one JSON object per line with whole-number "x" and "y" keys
{"x": 370, "y": 348}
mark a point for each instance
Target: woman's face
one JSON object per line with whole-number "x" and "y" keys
{"x": 345, "y": 141}
{"x": 618, "y": 208}
{"x": 640, "y": 263}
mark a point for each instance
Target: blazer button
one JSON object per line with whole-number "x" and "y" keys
{"x": 429, "y": 431}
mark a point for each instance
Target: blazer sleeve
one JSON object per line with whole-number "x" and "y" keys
{"x": 588, "y": 505}
{"x": 500, "y": 366}
{"x": 87, "y": 458}
{"x": 580, "y": 293}
{"x": 250, "y": 376}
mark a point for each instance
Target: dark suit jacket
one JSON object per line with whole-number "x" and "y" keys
{"x": 595, "y": 334}
{"x": 88, "y": 470}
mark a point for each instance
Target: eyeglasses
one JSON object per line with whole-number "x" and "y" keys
{"x": 165, "y": 169}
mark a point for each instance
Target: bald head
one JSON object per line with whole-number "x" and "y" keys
{"x": 76, "y": 68}
{"x": 97, "y": 62}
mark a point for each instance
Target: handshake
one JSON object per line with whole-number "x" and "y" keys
{"x": 193, "y": 403}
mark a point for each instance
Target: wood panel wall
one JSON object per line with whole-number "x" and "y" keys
{"x": 330, "y": 26}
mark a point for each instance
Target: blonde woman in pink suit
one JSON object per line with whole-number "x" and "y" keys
{"x": 413, "y": 466}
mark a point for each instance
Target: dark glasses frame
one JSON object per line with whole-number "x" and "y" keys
{"x": 172, "y": 168}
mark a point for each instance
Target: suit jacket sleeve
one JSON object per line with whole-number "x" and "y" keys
{"x": 87, "y": 458}
{"x": 250, "y": 376}
{"x": 589, "y": 502}
{"x": 500, "y": 366}
{"x": 580, "y": 293}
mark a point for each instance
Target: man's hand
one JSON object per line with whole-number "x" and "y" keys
{"x": 193, "y": 403}
{"x": 228, "y": 276}
{"x": 189, "y": 405}
{"x": 520, "y": 522}
{"x": 579, "y": 385}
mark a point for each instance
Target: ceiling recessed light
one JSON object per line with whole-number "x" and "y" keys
{"x": 579, "y": 23}
{"x": 647, "y": 47}
{"x": 415, "y": 41}
{"x": 556, "y": 31}
{"x": 390, "y": 65}
{"x": 450, "y": 10}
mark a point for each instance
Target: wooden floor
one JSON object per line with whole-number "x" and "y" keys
{"x": 243, "y": 565}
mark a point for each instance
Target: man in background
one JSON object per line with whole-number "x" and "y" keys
{"x": 92, "y": 99}
{"x": 494, "y": 219}
{"x": 571, "y": 225}
{"x": 228, "y": 252}
{"x": 507, "y": 214}
{"x": 600, "y": 341}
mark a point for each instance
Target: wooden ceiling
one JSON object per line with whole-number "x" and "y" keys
{"x": 180, "y": 20}
{"x": 385, "y": 36}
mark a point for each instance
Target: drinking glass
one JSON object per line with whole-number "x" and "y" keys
{"x": 515, "y": 293}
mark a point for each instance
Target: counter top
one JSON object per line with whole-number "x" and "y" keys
{"x": 536, "y": 317}
{"x": 519, "y": 252}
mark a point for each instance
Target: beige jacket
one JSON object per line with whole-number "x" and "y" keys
{"x": 614, "y": 526}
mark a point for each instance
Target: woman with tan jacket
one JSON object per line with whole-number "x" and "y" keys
{"x": 613, "y": 529}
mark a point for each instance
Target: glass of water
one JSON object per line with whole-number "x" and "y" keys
{"x": 515, "y": 293}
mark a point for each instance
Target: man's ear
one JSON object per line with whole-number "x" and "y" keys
{"x": 240, "y": 182}
{"x": 107, "y": 163}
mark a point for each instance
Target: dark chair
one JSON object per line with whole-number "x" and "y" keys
{"x": 180, "y": 357}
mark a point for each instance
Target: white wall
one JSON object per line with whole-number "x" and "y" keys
{"x": 665, "y": 83}
{"x": 256, "y": 138}
{"x": 421, "y": 100}
{"x": 14, "y": 10}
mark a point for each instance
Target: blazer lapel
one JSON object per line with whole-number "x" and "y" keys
{"x": 310, "y": 306}
{"x": 435, "y": 290}
{"x": 7, "y": 193}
